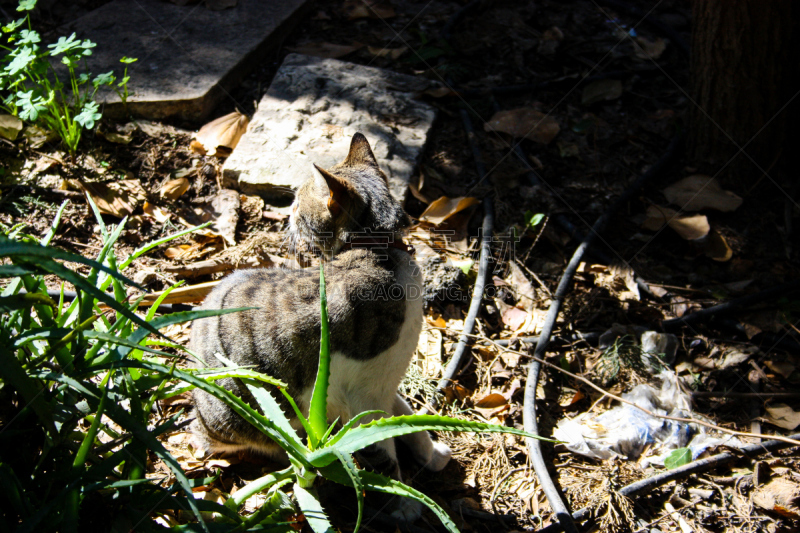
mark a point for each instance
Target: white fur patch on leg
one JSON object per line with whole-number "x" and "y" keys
{"x": 407, "y": 510}
{"x": 440, "y": 457}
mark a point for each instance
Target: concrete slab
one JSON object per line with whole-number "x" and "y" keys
{"x": 309, "y": 114}
{"x": 188, "y": 56}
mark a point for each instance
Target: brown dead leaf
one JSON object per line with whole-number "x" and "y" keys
{"x": 173, "y": 189}
{"x": 444, "y": 207}
{"x": 224, "y": 211}
{"x": 648, "y": 49}
{"x": 439, "y": 92}
{"x": 117, "y": 198}
{"x": 513, "y": 317}
{"x": 220, "y": 136}
{"x": 327, "y": 50}
{"x": 698, "y": 192}
{"x": 392, "y": 53}
{"x": 429, "y": 352}
{"x": 525, "y": 122}
{"x": 524, "y": 291}
{"x": 491, "y": 401}
{"x": 781, "y": 415}
{"x": 716, "y": 247}
{"x": 176, "y": 252}
{"x": 690, "y": 228}
{"x": 780, "y": 495}
{"x": 10, "y": 127}
{"x": 155, "y": 212}
{"x": 784, "y": 368}
{"x": 601, "y": 90}
{"x": 375, "y": 9}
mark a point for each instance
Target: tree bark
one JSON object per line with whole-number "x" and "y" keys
{"x": 744, "y": 72}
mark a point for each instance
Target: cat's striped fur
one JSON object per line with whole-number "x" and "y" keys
{"x": 374, "y": 308}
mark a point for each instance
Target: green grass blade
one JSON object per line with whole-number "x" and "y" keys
{"x": 362, "y": 436}
{"x": 32, "y": 392}
{"x": 318, "y": 411}
{"x": 28, "y": 251}
{"x": 147, "y": 247}
{"x": 161, "y": 322}
{"x": 287, "y": 440}
{"x": 129, "y": 423}
{"x": 309, "y": 505}
{"x": 45, "y": 241}
{"x": 350, "y": 468}
{"x": 81, "y": 283}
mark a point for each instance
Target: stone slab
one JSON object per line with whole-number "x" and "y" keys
{"x": 309, "y": 114}
{"x": 188, "y": 56}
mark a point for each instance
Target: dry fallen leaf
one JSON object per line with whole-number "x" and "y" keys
{"x": 117, "y": 198}
{"x": 524, "y": 291}
{"x": 173, "y": 189}
{"x": 10, "y": 127}
{"x": 155, "y": 212}
{"x": 224, "y": 211}
{"x": 376, "y": 9}
{"x": 716, "y": 247}
{"x": 781, "y": 415}
{"x": 524, "y": 122}
{"x": 648, "y": 49}
{"x": 698, "y": 192}
{"x": 780, "y": 495}
{"x": 392, "y": 53}
{"x": 491, "y": 401}
{"x": 429, "y": 352}
{"x": 444, "y": 207}
{"x": 326, "y": 50}
{"x": 513, "y": 317}
{"x": 690, "y": 228}
{"x": 601, "y": 90}
{"x": 784, "y": 368}
{"x": 176, "y": 252}
{"x": 220, "y": 136}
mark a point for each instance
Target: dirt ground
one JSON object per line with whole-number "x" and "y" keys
{"x": 603, "y": 93}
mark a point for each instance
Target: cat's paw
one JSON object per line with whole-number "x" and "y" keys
{"x": 407, "y": 510}
{"x": 440, "y": 457}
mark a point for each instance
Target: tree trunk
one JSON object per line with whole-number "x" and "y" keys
{"x": 744, "y": 72}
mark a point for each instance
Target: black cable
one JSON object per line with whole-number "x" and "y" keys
{"x": 529, "y": 405}
{"x": 700, "y": 465}
{"x": 486, "y": 253}
{"x": 737, "y": 303}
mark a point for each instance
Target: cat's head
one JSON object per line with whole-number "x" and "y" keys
{"x": 347, "y": 200}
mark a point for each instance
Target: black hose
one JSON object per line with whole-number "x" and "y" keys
{"x": 486, "y": 253}
{"x": 529, "y": 406}
{"x": 737, "y": 303}
{"x": 700, "y": 465}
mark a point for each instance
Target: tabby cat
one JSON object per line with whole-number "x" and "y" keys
{"x": 374, "y": 309}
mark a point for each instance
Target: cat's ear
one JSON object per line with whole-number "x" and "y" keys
{"x": 360, "y": 152}
{"x": 339, "y": 195}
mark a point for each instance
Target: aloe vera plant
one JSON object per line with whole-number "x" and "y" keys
{"x": 327, "y": 452}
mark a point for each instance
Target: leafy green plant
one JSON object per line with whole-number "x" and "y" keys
{"x": 679, "y": 457}
{"x": 76, "y": 389}
{"x": 32, "y": 89}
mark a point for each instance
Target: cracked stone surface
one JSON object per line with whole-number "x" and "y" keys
{"x": 309, "y": 114}
{"x": 188, "y": 56}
